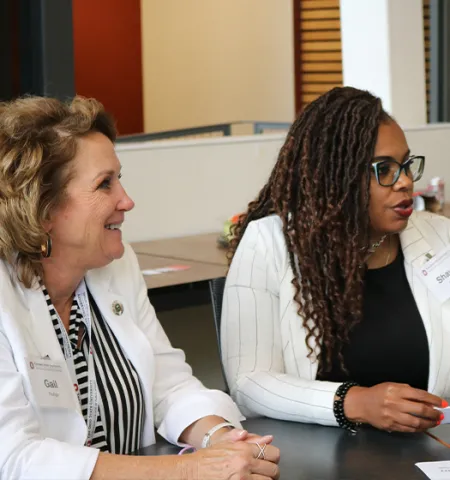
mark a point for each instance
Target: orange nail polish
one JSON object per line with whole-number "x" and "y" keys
{"x": 444, "y": 404}
{"x": 438, "y": 423}
{"x": 442, "y": 417}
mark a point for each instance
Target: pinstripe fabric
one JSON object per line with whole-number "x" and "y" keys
{"x": 263, "y": 340}
{"x": 120, "y": 415}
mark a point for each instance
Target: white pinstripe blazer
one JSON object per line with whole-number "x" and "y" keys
{"x": 263, "y": 340}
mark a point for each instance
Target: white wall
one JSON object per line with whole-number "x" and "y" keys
{"x": 207, "y": 62}
{"x": 433, "y": 141}
{"x": 188, "y": 187}
{"x": 383, "y": 51}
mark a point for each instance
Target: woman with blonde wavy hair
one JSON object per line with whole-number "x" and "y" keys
{"x": 86, "y": 370}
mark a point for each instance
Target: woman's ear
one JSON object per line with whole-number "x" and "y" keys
{"x": 47, "y": 226}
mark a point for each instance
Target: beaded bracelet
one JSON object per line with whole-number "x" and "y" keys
{"x": 338, "y": 408}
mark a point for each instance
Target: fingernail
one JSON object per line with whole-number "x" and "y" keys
{"x": 242, "y": 433}
{"x": 442, "y": 416}
{"x": 438, "y": 423}
{"x": 444, "y": 404}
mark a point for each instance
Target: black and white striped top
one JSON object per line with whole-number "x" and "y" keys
{"x": 121, "y": 404}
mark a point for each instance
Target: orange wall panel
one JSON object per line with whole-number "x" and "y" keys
{"x": 107, "y": 57}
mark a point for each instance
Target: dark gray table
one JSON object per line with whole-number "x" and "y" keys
{"x": 313, "y": 452}
{"x": 442, "y": 432}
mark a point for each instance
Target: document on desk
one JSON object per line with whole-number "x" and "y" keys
{"x": 159, "y": 271}
{"x": 446, "y": 412}
{"x": 435, "y": 470}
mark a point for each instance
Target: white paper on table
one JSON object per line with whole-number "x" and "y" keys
{"x": 435, "y": 470}
{"x": 446, "y": 412}
{"x": 159, "y": 271}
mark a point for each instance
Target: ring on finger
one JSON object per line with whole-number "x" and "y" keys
{"x": 261, "y": 453}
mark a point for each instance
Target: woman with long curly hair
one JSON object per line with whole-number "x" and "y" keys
{"x": 325, "y": 319}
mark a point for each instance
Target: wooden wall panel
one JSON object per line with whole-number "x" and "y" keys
{"x": 318, "y": 49}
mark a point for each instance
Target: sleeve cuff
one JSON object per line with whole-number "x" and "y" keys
{"x": 54, "y": 460}
{"x": 194, "y": 407}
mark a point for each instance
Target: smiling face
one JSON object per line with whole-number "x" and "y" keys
{"x": 390, "y": 206}
{"x": 85, "y": 229}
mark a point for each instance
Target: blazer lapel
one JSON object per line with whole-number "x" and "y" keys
{"x": 130, "y": 337}
{"x": 43, "y": 334}
{"x": 418, "y": 244}
{"x": 41, "y": 326}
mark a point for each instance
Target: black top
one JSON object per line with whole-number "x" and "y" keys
{"x": 390, "y": 344}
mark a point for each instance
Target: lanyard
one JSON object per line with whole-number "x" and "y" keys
{"x": 81, "y": 296}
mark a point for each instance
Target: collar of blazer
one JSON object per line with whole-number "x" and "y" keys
{"x": 105, "y": 284}
{"x": 105, "y": 290}
{"x": 428, "y": 234}
{"x": 106, "y": 294}
{"x": 420, "y": 238}
{"x": 41, "y": 327}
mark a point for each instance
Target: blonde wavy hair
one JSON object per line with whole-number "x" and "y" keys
{"x": 38, "y": 141}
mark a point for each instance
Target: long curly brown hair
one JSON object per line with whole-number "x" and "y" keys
{"x": 319, "y": 188}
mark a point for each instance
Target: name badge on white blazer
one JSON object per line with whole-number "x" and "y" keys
{"x": 435, "y": 274}
{"x": 50, "y": 383}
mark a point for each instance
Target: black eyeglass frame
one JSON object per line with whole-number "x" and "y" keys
{"x": 401, "y": 166}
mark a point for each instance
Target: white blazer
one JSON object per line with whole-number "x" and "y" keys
{"x": 48, "y": 443}
{"x": 263, "y": 340}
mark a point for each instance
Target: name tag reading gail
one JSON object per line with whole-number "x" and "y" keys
{"x": 50, "y": 383}
{"x": 436, "y": 275}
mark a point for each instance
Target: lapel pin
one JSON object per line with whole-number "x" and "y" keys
{"x": 117, "y": 307}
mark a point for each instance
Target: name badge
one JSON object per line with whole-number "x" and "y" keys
{"x": 50, "y": 383}
{"x": 435, "y": 274}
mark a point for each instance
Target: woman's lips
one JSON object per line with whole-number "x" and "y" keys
{"x": 404, "y": 212}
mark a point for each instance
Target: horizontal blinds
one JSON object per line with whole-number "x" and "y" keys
{"x": 320, "y": 48}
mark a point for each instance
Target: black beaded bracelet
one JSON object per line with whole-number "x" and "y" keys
{"x": 338, "y": 407}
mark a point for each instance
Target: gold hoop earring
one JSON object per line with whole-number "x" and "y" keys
{"x": 46, "y": 248}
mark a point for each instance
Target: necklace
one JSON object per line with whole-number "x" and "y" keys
{"x": 377, "y": 244}
{"x": 374, "y": 246}
{"x": 390, "y": 250}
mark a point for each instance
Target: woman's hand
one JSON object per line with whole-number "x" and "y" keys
{"x": 393, "y": 407}
{"x": 238, "y": 435}
{"x": 233, "y": 461}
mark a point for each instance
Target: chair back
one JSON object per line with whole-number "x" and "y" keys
{"x": 216, "y": 287}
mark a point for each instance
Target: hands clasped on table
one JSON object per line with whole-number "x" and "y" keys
{"x": 235, "y": 455}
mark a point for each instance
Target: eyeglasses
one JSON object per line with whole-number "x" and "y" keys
{"x": 388, "y": 171}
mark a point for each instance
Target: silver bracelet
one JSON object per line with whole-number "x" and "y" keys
{"x": 207, "y": 438}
